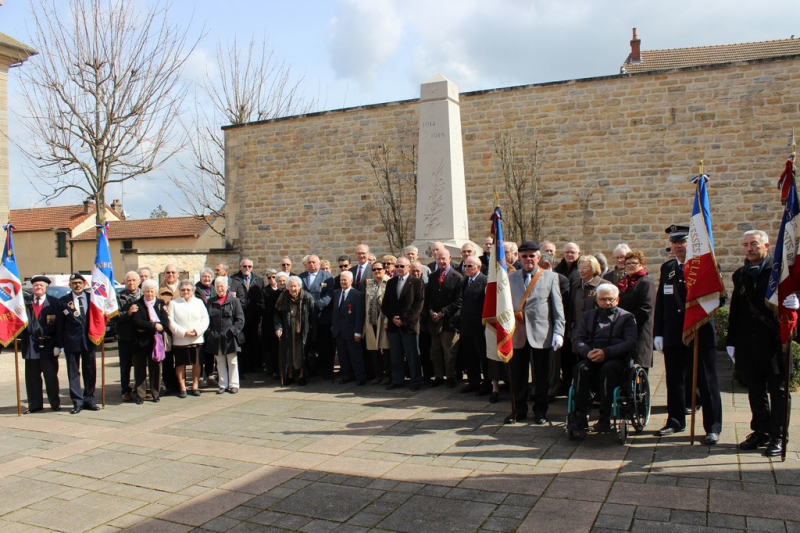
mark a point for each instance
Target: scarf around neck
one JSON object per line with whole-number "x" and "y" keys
{"x": 629, "y": 281}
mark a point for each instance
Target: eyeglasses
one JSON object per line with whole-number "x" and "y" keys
{"x": 570, "y": 252}
{"x": 270, "y": 277}
{"x": 376, "y": 269}
{"x": 286, "y": 264}
{"x": 470, "y": 266}
{"x": 527, "y": 256}
{"x": 608, "y": 299}
{"x": 342, "y": 267}
{"x": 632, "y": 263}
{"x": 401, "y": 266}
{"x": 170, "y": 272}
{"x": 247, "y": 266}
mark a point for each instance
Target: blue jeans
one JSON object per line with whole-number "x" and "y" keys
{"x": 404, "y": 343}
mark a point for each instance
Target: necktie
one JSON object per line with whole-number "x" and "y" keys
{"x": 359, "y": 274}
{"x": 247, "y": 283}
{"x": 441, "y": 277}
{"x": 344, "y": 295}
{"x": 527, "y": 279}
{"x": 470, "y": 281}
{"x": 400, "y": 283}
{"x": 80, "y": 308}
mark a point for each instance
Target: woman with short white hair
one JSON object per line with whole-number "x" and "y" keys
{"x": 295, "y": 318}
{"x": 226, "y": 321}
{"x": 188, "y": 321}
{"x": 150, "y": 318}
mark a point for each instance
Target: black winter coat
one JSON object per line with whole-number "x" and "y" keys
{"x": 226, "y": 322}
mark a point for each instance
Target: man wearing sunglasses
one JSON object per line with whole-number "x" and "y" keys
{"x": 248, "y": 288}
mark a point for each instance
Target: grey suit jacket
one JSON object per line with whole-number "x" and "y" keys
{"x": 544, "y": 312}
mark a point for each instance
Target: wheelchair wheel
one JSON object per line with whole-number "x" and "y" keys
{"x": 640, "y": 400}
{"x": 622, "y": 431}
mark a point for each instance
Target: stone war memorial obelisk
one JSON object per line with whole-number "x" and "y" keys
{"x": 441, "y": 192}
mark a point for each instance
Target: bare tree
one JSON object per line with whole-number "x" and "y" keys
{"x": 247, "y": 83}
{"x": 520, "y": 165}
{"x": 104, "y": 93}
{"x": 395, "y": 172}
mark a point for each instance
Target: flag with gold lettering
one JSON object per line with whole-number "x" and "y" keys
{"x": 13, "y": 317}
{"x": 103, "y": 298}
{"x": 498, "y": 310}
{"x": 703, "y": 281}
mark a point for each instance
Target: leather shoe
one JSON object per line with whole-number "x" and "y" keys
{"x": 774, "y": 448}
{"x": 754, "y": 441}
{"x": 711, "y": 439}
{"x": 29, "y": 411}
{"x": 139, "y": 400}
{"x": 603, "y": 425}
{"x": 669, "y": 430}
{"x": 510, "y": 419}
{"x": 56, "y": 408}
{"x": 540, "y": 420}
{"x": 91, "y": 406}
{"x": 688, "y": 410}
{"x": 469, "y": 388}
{"x": 77, "y": 409}
{"x": 436, "y": 382}
{"x": 493, "y": 397}
{"x": 394, "y": 386}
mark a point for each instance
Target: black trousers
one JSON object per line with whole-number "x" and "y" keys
{"x": 250, "y": 355}
{"x": 604, "y": 377}
{"x": 35, "y": 369}
{"x": 519, "y": 375}
{"x": 125, "y": 361}
{"x": 678, "y": 362}
{"x": 168, "y": 373}
{"x": 326, "y": 348}
{"x": 568, "y": 360}
{"x": 473, "y": 348}
{"x": 351, "y": 358}
{"x": 81, "y": 363}
{"x": 425, "y": 355}
{"x": 766, "y": 392}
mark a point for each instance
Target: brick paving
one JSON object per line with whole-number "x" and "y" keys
{"x": 343, "y": 458}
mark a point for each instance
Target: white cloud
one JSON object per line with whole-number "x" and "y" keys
{"x": 365, "y": 35}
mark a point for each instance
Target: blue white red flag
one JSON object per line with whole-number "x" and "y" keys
{"x": 785, "y": 276}
{"x": 703, "y": 281}
{"x": 103, "y": 298}
{"x": 13, "y": 317}
{"x": 498, "y": 310}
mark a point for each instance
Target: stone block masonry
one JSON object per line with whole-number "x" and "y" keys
{"x": 619, "y": 153}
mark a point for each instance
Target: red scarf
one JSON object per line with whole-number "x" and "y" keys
{"x": 221, "y": 299}
{"x": 629, "y": 281}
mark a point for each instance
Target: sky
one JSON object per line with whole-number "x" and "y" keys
{"x": 359, "y": 52}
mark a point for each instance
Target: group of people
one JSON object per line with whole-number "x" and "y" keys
{"x": 400, "y": 323}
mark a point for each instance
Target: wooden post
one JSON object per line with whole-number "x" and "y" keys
{"x": 694, "y": 389}
{"x": 16, "y": 368}
{"x": 103, "y": 369}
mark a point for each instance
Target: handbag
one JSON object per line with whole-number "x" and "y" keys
{"x": 159, "y": 352}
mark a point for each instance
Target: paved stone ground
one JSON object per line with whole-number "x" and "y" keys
{"x": 344, "y": 458}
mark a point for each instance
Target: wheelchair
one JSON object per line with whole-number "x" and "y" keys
{"x": 630, "y": 405}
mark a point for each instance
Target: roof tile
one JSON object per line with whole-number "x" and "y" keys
{"x": 150, "y": 228}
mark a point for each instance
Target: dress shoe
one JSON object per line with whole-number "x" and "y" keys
{"x": 540, "y": 420}
{"x": 483, "y": 390}
{"x": 774, "y": 448}
{"x": 394, "y": 386}
{"x": 29, "y": 411}
{"x": 578, "y": 423}
{"x": 469, "y": 388}
{"x": 220, "y": 390}
{"x": 377, "y": 381}
{"x": 77, "y": 409}
{"x": 436, "y": 382}
{"x": 361, "y": 382}
{"x": 233, "y": 390}
{"x": 386, "y": 380}
{"x": 91, "y": 406}
{"x": 510, "y": 419}
{"x": 688, "y": 410}
{"x": 493, "y": 397}
{"x": 156, "y": 399}
{"x": 195, "y": 392}
{"x": 669, "y": 430}
{"x": 182, "y": 394}
{"x": 56, "y": 408}
{"x": 603, "y": 425}
{"x": 126, "y": 397}
{"x": 711, "y": 439}
{"x": 754, "y": 441}
{"x": 139, "y": 400}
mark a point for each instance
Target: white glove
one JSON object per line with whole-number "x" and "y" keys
{"x": 731, "y": 351}
{"x": 791, "y": 302}
{"x": 658, "y": 344}
{"x": 558, "y": 341}
{"x": 56, "y": 351}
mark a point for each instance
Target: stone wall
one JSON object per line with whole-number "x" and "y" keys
{"x": 619, "y": 153}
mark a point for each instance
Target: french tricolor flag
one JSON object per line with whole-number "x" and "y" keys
{"x": 703, "y": 281}
{"x": 785, "y": 276}
{"x": 103, "y": 298}
{"x": 13, "y": 317}
{"x": 498, "y": 310}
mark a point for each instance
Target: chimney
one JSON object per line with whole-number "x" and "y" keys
{"x": 116, "y": 205}
{"x": 636, "y": 53}
{"x": 87, "y": 205}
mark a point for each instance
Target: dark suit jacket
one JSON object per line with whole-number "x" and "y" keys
{"x": 444, "y": 298}
{"x": 641, "y": 301}
{"x": 470, "y": 317}
{"x": 348, "y": 316}
{"x": 322, "y": 292}
{"x": 670, "y": 307}
{"x": 617, "y": 341}
{"x": 408, "y": 306}
{"x": 367, "y": 275}
{"x": 39, "y": 337}
{"x": 72, "y": 332}
{"x": 252, "y": 299}
{"x": 434, "y": 267}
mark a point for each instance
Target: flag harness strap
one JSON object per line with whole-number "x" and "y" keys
{"x": 520, "y": 315}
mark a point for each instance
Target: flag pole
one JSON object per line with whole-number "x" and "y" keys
{"x": 788, "y": 348}
{"x": 16, "y": 368}
{"x": 695, "y": 354}
{"x": 103, "y": 370}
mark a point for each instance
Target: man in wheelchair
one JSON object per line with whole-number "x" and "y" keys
{"x": 605, "y": 340}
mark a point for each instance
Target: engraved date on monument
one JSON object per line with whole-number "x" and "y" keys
{"x": 438, "y": 135}
{"x": 429, "y": 124}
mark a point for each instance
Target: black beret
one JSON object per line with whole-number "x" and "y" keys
{"x": 528, "y": 246}
{"x": 77, "y": 275}
{"x": 34, "y": 279}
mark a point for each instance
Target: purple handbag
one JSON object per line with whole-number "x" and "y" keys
{"x": 158, "y": 348}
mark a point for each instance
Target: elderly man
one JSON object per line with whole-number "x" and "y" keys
{"x": 512, "y": 256}
{"x": 144, "y": 274}
{"x": 754, "y": 343}
{"x": 442, "y": 302}
{"x": 126, "y": 336}
{"x": 472, "y": 343}
{"x": 362, "y": 270}
{"x": 412, "y": 254}
{"x": 319, "y": 284}
{"x": 536, "y": 299}
{"x": 39, "y": 347}
{"x": 547, "y": 247}
{"x": 435, "y": 248}
{"x": 679, "y": 358}
{"x": 286, "y": 266}
{"x": 248, "y": 288}
{"x": 72, "y": 335}
{"x": 568, "y": 267}
{"x": 605, "y": 339}
{"x": 488, "y": 243}
{"x": 402, "y": 305}
{"x": 347, "y": 327}
{"x": 469, "y": 250}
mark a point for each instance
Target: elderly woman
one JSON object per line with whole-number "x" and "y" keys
{"x": 376, "y": 338}
{"x": 204, "y": 289}
{"x": 226, "y": 321}
{"x": 269, "y": 345}
{"x": 188, "y": 321}
{"x": 637, "y": 295}
{"x": 325, "y": 265}
{"x": 295, "y": 318}
{"x": 584, "y": 291}
{"x": 388, "y": 266}
{"x": 151, "y": 318}
{"x": 618, "y": 272}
